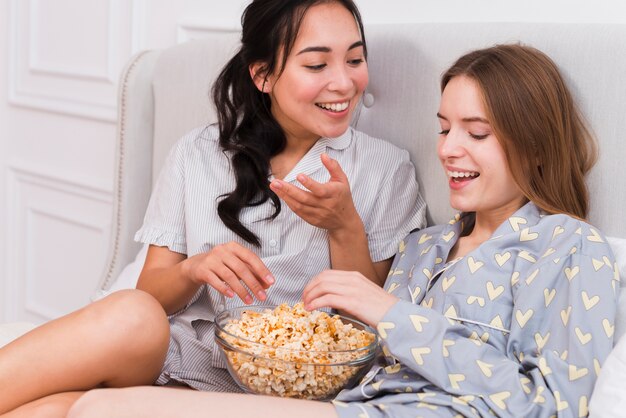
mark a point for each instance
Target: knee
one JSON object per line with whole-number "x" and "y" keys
{"x": 51, "y": 406}
{"x": 90, "y": 405}
{"x": 43, "y": 410}
{"x": 133, "y": 315}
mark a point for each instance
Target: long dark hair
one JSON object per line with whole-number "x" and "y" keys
{"x": 548, "y": 145}
{"x": 247, "y": 128}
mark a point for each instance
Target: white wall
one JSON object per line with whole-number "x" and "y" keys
{"x": 394, "y": 11}
{"x": 59, "y": 63}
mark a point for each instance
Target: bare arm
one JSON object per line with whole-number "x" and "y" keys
{"x": 162, "y": 276}
{"x": 349, "y": 251}
{"x": 173, "y": 279}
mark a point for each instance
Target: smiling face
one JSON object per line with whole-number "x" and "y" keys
{"x": 473, "y": 159}
{"x": 323, "y": 78}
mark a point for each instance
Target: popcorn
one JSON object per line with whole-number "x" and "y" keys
{"x": 291, "y": 352}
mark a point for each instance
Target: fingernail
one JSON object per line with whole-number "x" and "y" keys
{"x": 270, "y": 279}
{"x": 301, "y": 178}
{"x": 230, "y": 293}
{"x": 276, "y": 184}
{"x": 248, "y": 299}
{"x": 261, "y": 294}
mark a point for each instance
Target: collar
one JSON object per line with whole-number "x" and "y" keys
{"x": 311, "y": 162}
{"x": 525, "y": 217}
{"x": 341, "y": 142}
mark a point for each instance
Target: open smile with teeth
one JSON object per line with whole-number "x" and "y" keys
{"x": 334, "y": 107}
{"x": 459, "y": 176}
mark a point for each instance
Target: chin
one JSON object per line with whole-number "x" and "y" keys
{"x": 335, "y": 132}
{"x": 462, "y": 206}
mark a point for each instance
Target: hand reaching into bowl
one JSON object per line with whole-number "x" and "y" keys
{"x": 350, "y": 292}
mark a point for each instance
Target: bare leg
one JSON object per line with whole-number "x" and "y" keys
{"x": 52, "y": 406}
{"x": 155, "y": 402}
{"x": 118, "y": 341}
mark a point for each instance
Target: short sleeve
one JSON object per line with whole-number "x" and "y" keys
{"x": 399, "y": 209}
{"x": 164, "y": 222}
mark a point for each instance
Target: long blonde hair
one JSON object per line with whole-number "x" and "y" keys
{"x": 548, "y": 146}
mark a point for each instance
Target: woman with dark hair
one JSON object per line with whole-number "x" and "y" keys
{"x": 278, "y": 191}
{"x": 508, "y": 310}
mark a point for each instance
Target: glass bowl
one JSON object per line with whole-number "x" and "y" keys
{"x": 291, "y": 370}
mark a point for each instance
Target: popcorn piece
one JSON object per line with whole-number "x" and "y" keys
{"x": 294, "y": 353}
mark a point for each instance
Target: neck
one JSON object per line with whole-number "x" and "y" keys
{"x": 286, "y": 160}
{"x": 487, "y": 222}
{"x": 299, "y": 146}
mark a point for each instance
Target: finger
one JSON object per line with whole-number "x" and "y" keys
{"x": 318, "y": 189}
{"x": 315, "y": 281}
{"x": 309, "y": 213}
{"x": 335, "y": 170}
{"x": 328, "y": 288}
{"x": 329, "y": 281}
{"x": 285, "y": 190}
{"x": 255, "y": 264}
{"x": 227, "y": 275}
{"x": 219, "y": 285}
{"x": 328, "y": 301}
{"x": 242, "y": 271}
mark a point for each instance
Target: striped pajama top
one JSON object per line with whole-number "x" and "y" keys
{"x": 182, "y": 215}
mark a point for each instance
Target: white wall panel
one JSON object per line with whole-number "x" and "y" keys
{"x": 66, "y": 54}
{"x": 54, "y": 48}
{"x": 189, "y": 30}
{"x": 57, "y": 230}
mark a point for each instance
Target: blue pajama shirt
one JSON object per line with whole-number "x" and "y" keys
{"x": 518, "y": 327}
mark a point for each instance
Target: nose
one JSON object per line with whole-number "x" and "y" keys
{"x": 341, "y": 80}
{"x": 450, "y": 145}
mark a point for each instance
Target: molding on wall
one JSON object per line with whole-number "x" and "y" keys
{"x": 60, "y": 180}
{"x": 87, "y": 72}
{"x": 76, "y": 90}
{"x": 35, "y": 307}
{"x": 22, "y": 206}
{"x": 189, "y": 30}
{"x": 138, "y": 23}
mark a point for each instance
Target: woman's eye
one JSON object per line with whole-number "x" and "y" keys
{"x": 356, "y": 62}
{"x": 444, "y": 132}
{"x": 477, "y": 136}
{"x": 315, "y": 67}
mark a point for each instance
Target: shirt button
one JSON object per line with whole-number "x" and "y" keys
{"x": 273, "y": 243}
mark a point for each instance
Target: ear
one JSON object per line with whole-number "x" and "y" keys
{"x": 258, "y": 72}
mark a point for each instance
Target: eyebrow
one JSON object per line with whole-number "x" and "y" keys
{"x": 327, "y": 49}
{"x": 470, "y": 119}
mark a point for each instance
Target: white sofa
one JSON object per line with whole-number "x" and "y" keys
{"x": 165, "y": 93}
